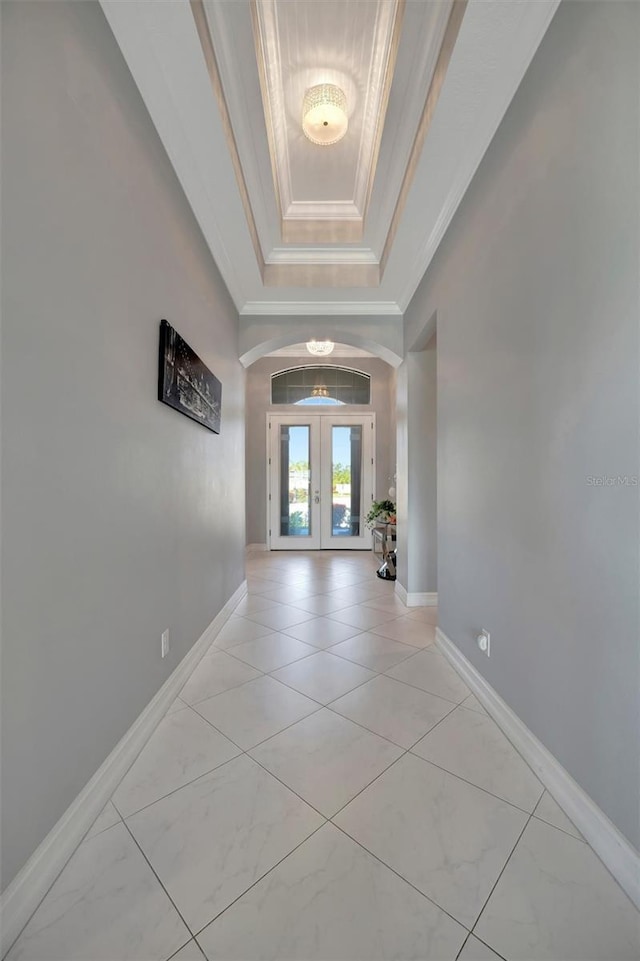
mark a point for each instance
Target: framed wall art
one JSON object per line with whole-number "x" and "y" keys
{"x": 185, "y": 382}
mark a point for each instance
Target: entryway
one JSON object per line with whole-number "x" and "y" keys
{"x": 320, "y": 480}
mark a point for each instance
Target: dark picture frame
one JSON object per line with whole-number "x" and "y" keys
{"x": 185, "y": 382}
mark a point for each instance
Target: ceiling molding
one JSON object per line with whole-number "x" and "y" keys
{"x": 324, "y": 210}
{"x": 204, "y": 35}
{"x": 424, "y": 26}
{"x": 273, "y": 138}
{"x": 338, "y": 223}
{"x": 321, "y": 255}
{"x": 309, "y": 231}
{"x": 321, "y": 274}
{"x": 309, "y": 308}
{"x": 437, "y": 80}
{"x": 161, "y": 46}
{"x": 273, "y": 25}
{"x": 147, "y": 35}
{"x": 386, "y": 45}
{"x": 535, "y": 18}
{"x": 317, "y": 267}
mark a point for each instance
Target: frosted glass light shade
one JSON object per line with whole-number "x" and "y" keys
{"x": 324, "y": 114}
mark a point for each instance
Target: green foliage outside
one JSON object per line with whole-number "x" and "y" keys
{"x": 297, "y": 521}
{"x": 341, "y": 474}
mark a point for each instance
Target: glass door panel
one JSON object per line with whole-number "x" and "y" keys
{"x": 347, "y": 452}
{"x": 294, "y": 459}
{"x": 295, "y": 487}
{"x": 346, "y": 478}
{"x": 320, "y": 481}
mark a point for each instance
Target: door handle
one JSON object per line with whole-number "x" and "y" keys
{"x": 316, "y": 499}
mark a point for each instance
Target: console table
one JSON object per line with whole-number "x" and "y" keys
{"x": 383, "y": 539}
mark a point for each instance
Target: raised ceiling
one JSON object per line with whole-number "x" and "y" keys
{"x": 323, "y": 194}
{"x": 326, "y": 231}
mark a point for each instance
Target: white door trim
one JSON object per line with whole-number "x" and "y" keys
{"x": 320, "y": 439}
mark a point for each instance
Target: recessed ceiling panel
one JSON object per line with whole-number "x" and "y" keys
{"x": 299, "y": 45}
{"x": 391, "y": 52}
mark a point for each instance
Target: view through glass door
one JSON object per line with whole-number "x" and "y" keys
{"x": 320, "y": 480}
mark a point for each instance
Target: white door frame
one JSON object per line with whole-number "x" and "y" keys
{"x": 321, "y": 512}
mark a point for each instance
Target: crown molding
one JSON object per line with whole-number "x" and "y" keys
{"x": 454, "y": 22}
{"x": 321, "y": 255}
{"x": 535, "y": 21}
{"x": 148, "y": 35}
{"x": 326, "y": 275}
{"x": 306, "y": 231}
{"x": 383, "y": 64}
{"x": 161, "y": 46}
{"x": 413, "y": 79}
{"x": 322, "y": 210}
{"x": 321, "y": 308}
{"x": 204, "y": 35}
{"x": 267, "y": 31}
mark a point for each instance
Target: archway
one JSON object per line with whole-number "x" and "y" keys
{"x": 261, "y": 336}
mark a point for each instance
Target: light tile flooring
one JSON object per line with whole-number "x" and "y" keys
{"x": 326, "y": 787}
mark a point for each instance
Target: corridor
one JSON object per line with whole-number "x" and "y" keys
{"x": 326, "y": 787}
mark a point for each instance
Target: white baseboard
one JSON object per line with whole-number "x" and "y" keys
{"x": 251, "y": 548}
{"x": 613, "y": 849}
{"x": 28, "y": 888}
{"x": 416, "y": 599}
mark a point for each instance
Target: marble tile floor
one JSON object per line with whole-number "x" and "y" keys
{"x": 326, "y": 787}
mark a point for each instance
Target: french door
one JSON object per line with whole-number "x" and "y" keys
{"x": 321, "y": 470}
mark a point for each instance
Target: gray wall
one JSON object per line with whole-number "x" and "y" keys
{"x": 417, "y": 470}
{"x": 259, "y": 402}
{"x": 120, "y": 517}
{"x": 536, "y": 289}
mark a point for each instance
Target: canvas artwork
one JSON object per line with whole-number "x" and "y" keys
{"x": 185, "y": 383}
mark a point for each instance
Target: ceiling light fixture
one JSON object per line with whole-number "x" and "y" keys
{"x": 324, "y": 114}
{"x": 320, "y": 348}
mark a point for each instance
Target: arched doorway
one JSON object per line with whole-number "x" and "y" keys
{"x": 354, "y": 447}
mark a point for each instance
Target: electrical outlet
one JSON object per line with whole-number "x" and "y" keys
{"x": 484, "y": 642}
{"x": 164, "y": 643}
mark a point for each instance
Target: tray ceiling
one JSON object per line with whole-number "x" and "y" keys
{"x": 343, "y": 230}
{"x": 323, "y": 193}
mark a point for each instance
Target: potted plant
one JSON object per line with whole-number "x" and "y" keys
{"x": 381, "y": 512}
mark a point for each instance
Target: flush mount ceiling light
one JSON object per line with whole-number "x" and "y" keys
{"x": 321, "y": 348}
{"x": 324, "y": 114}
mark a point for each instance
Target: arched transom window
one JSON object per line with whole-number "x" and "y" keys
{"x": 320, "y": 386}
